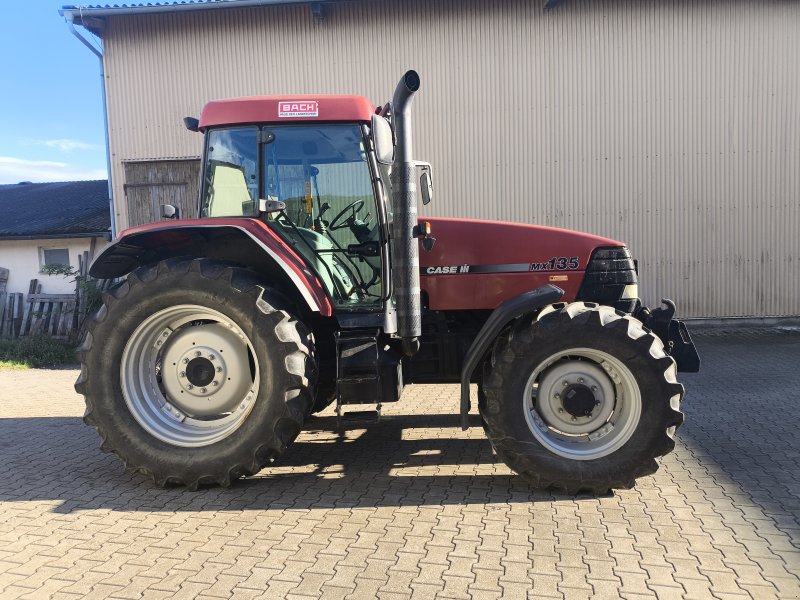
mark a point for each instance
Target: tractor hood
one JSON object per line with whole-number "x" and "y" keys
{"x": 479, "y": 264}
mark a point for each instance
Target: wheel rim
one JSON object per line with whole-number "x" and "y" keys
{"x": 582, "y": 404}
{"x": 189, "y": 375}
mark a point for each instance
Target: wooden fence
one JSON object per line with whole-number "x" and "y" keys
{"x": 54, "y": 315}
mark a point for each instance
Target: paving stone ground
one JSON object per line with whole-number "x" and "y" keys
{"x": 413, "y": 507}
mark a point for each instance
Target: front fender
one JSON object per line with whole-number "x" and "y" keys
{"x": 509, "y": 310}
{"x": 246, "y": 242}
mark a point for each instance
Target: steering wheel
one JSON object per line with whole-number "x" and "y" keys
{"x": 355, "y": 206}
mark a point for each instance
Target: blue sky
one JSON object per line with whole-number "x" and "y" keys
{"x": 51, "y": 117}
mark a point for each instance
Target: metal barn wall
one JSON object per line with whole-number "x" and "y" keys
{"x": 674, "y": 126}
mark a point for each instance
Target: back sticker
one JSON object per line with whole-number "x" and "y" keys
{"x": 298, "y": 108}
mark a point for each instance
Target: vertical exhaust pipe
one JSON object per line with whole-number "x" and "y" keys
{"x": 405, "y": 249}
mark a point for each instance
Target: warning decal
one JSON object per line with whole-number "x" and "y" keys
{"x": 298, "y": 108}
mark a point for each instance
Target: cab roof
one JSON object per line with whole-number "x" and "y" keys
{"x": 286, "y": 108}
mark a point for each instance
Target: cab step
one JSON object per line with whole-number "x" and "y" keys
{"x": 359, "y": 416}
{"x": 358, "y": 378}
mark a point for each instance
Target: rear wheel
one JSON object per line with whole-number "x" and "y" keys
{"x": 581, "y": 398}
{"x": 326, "y": 394}
{"x": 194, "y": 373}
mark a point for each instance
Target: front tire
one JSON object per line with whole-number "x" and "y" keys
{"x": 195, "y": 373}
{"x": 580, "y": 398}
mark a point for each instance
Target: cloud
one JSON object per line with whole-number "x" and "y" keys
{"x": 14, "y": 170}
{"x": 67, "y": 145}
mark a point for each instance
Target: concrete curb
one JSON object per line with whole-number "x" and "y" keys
{"x": 792, "y": 322}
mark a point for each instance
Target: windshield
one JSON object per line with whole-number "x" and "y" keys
{"x": 321, "y": 173}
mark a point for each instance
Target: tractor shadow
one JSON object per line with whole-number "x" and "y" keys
{"x": 404, "y": 460}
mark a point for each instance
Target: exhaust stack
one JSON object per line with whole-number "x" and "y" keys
{"x": 405, "y": 249}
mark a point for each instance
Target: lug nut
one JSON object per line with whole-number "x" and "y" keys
{"x": 165, "y": 334}
{"x": 594, "y": 388}
{"x": 183, "y": 373}
{"x": 197, "y": 353}
{"x": 580, "y": 379}
{"x": 203, "y": 390}
{"x": 186, "y": 361}
{"x": 212, "y": 357}
{"x": 565, "y": 383}
{"x": 574, "y": 418}
{"x": 215, "y": 383}
{"x": 219, "y": 369}
{"x": 561, "y": 410}
{"x": 190, "y": 387}
{"x": 557, "y": 396}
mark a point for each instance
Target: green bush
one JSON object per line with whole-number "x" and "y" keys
{"x": 90, "y": 295}
{"x": 35, "y": 352}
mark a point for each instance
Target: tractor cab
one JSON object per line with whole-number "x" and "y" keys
{"x": 310, "y": 171}
{"x": 315, "y": 186}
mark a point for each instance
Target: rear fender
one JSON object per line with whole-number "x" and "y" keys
{"x": 509, "y": 310}
{"x": 244, "y": 242}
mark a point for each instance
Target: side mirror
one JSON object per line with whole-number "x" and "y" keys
{"x": 170, "y": 212}
{"x": 191, "y": 124}
{"x": 383, "y": 138}
{"x": 425, "y": 181}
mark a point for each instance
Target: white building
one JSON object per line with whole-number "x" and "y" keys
{"x": 50, "y": 224}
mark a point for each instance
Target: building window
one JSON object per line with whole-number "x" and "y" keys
{"x": 54, "y": 256}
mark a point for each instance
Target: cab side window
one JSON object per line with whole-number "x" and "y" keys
{"x": 230, "y": 188}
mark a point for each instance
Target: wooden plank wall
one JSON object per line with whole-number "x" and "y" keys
{"x": 150, "y": 184}
{"x": 54, "y": 315}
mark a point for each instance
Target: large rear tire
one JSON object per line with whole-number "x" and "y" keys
{"x": 194, "y": 373}
{"x": 580, "y": 398}
{"x": 326, "y": 394}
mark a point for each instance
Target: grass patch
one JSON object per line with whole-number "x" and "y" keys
{"x": 35, "y": 352}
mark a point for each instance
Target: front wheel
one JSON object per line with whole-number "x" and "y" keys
{"x": 581, "y": 398}
{"x": 195, "y": 373}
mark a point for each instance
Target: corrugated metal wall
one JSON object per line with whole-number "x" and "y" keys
{"x": 674, "y": 126}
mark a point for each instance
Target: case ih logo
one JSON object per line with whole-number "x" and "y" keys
{"x": 298, "y": 108}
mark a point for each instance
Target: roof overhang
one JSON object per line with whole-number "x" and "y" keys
{"x": 51, "y": 236}
{"x": 89, "y": 14}
{"x": 84, "y": 13}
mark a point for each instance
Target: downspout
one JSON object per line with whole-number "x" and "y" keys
{"x": 99, "y": 55}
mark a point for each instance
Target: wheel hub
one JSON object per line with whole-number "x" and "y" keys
{"x": 205, "y": 370}
{"x": 579, "y": 400}
{"x": 200, "y": 371}
{"x": 575, "y": 397}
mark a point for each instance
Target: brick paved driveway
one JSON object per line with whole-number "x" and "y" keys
{"x": 414, "y": 507}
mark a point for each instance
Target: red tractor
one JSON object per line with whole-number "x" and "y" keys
{"x": 308, "y": 279}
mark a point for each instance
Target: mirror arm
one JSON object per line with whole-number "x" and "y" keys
{"x": 270, "y": 206}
